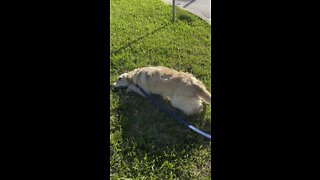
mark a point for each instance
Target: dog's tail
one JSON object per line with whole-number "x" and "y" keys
{"x": 203, "y": 94}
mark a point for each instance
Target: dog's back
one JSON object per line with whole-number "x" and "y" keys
{"x": 168, "y": 82}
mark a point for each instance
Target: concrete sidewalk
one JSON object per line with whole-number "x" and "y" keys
{"x": 201, "y": 8}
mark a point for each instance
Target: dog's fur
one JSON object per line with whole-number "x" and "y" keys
{"x": 183, "y": 89}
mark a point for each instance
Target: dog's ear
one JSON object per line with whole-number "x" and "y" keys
{"x": 129, "y": 79}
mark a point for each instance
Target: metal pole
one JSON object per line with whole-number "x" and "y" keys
{"x": 174, "y": 10}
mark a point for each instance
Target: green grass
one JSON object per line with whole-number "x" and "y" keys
{"x": 145, "y": 142}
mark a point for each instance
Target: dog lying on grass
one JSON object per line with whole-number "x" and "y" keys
{"x": 183, "y": 89}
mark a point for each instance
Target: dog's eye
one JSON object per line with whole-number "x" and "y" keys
{"x": 119, "y": 78}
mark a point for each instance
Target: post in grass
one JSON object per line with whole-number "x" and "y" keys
{"x": 173, "y": 10}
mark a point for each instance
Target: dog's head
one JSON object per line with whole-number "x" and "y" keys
{"x": 122, "y": 81}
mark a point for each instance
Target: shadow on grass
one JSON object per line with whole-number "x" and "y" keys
{"x": 153, "y": 136}
{"x": 185, "y": 18}
{"x": 138, "y": 39}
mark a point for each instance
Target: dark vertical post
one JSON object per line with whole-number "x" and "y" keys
{"x": 174, "y": 10}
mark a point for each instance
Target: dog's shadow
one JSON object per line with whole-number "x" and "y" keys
{"x": 151, "y": 132}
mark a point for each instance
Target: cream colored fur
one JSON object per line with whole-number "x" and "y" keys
{"x": 183, "y": 89}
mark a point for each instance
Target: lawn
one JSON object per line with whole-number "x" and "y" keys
{"x": 145, "y": 143}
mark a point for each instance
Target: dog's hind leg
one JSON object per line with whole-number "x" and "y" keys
{"x": 189, "y": 105}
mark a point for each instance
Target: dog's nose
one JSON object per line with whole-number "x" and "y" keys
{"x": 113, "y": 86}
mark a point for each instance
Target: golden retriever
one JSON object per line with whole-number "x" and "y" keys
{"x": 183, "y": 89}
